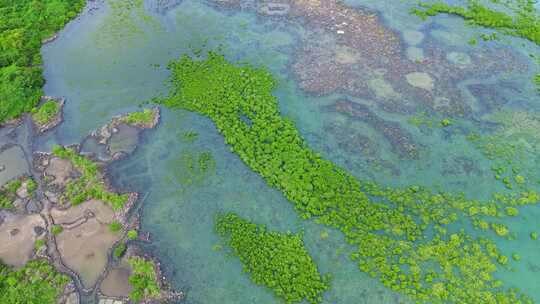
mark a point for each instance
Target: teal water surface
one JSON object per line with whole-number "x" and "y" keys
{"x": 105, "y": 64}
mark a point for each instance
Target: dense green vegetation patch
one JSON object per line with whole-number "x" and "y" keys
{"x": 144, "y": 280}
{"x": 36, "y": 282}
{"x": 8, "y": 192}
{"x": 147, "y": 116}
{"x": 90, "y": 184}
{"x": 46, "y": 112}
{"x": 132, "y": 235}
{"x": 120, "y": 250}
{"x": 524, "y": 22}
{"x": 23, "y": 26}
{"x": 278, "y": 261}
{"x": 404, "y": 237}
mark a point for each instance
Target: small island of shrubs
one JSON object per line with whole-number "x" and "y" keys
{"x": 277, "y": 261}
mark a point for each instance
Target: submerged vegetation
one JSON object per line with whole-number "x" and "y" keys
{"x": 23, "y": 26}
{"x": 404, "y": 237}
{"x": 523, "y": 21}
{"x": 278, "y": 261}
{"x": 192, "y": 168}
{"x": 144, "y": 280}
{"x": 36, "y": 282}
{"x": 90, "y": 184}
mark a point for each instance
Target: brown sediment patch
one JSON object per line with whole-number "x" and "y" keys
{"x": 98, "y": 210}
{"x": 85, "y": 242}
{"x": 116, "y": 283}
{"x": 399, "y": 139}
{"x": 61, "y": 170}
{"x": 18, "y": 234}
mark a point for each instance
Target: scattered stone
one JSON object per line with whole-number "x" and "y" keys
{"x": 413, "y": 37}
{"x": 459, "y": 59}
{"x": 415, "y": 54}
{"x": 273, "y": 9}
{"x": 420, "y": 80}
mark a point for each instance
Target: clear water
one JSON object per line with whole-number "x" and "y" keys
{"x": 105, "y": 66}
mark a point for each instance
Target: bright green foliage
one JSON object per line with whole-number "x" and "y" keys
{"x": 56, "y": 229}
{"x": 5, "y": 202}
{"x": 525, "y": 24}
{"x": 115, "y": 226}
{"x": 89, "y": 185}
{"x": 13, "y": 186}
{"x": 401, "y": 235}
{"x": 36, "y": 282}
{"x": 446, "y": 122}
{"x": 8, "y": 193}
{"x": 143, "y": 279}
{"x": 147, "y": 116}
{"x": 46, "y": 112}
{"x": 132, "y": 235}
{"x": 39, "y": 243}
{"x": 537, "y": 81}
{"x": 534, "y": 236}
{"x": 120, "y": 250}
{"x": 23, "y": 25}
{"x": 31, "y": 186}
{"x": 278, "y": 261}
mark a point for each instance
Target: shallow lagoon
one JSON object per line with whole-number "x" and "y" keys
{"x": 106, "y": 66}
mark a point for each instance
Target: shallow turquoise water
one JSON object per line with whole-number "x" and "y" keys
{"x": 102, "y": 69}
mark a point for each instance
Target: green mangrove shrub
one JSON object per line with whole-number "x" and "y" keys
{"x": 120, "y": 250}
{"x": 8, "y": 192}
{"x": 46, "y": 112}
{"x": 90, "y": 184}
{"x": 143, "y": 280}
{"x": 36, "y": 282}
{"x": 115, "y": 226}
{"x": 403, "y": 237}
{"x": 23, "y": 26}
{"x": 277, "y": 261}
{"x": 147, "y": 116}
